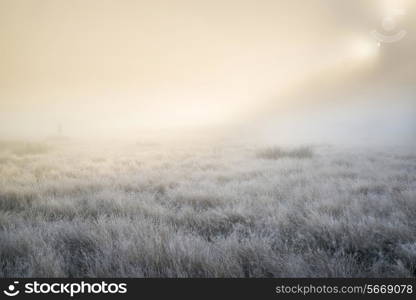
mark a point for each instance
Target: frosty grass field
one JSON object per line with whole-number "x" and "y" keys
{"x": 200, "y": 209}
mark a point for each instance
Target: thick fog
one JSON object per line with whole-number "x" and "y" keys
{"x": 303, "y": 71}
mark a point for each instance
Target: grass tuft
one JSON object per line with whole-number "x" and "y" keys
{"x": 274, "y": 153}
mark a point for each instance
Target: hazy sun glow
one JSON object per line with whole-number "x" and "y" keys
{"x": 365, "y": 49}
{"x": 104, "y": 66}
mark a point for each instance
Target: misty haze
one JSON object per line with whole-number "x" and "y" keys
{"x": 207, "y": 138}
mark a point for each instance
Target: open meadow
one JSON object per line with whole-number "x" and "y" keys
{"x": 73, "y": 208}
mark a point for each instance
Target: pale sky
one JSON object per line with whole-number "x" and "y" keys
{"x": 123, "y": 65}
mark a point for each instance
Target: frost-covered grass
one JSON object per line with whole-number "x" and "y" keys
{"x": 206, "y": 210}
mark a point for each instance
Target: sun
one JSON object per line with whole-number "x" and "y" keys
{"x": 365, "y": 49}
